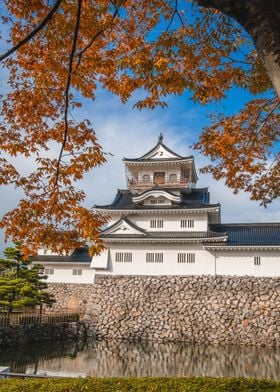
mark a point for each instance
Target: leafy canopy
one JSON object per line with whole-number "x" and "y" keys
{"x": 59, "y": 52}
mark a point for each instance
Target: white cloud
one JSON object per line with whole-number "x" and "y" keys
{"x": 126, "y": 132}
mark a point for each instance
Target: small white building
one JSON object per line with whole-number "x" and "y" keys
{"x": 163, "y": 225}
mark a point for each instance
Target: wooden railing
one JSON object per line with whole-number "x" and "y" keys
{"x": 35, "y": 319}
{"x": 142, "y": 184}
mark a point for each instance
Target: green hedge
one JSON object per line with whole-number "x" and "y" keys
{"x": 139, "y": 384}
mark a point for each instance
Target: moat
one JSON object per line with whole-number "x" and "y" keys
{"x": 147, "y": 359}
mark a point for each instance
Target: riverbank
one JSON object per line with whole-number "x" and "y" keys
{"x": 140, "y": 384}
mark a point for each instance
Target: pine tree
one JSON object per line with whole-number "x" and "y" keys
{"x": 21, "y": 286}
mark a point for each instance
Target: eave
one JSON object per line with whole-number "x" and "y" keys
{"x": 164, "y": 240}
{"x": 242, "y": 247}
{"x": 68, "y": 263}
{"x": 156, "y": 210}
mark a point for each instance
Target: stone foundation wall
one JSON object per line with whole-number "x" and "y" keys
{"x": 70, "y": 297}
{"x": 194, "y": 309}
{"x": 15, "y": 335}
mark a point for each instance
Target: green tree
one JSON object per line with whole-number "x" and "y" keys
{"x": 21, "y": 285}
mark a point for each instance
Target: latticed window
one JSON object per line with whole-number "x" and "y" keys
{"x": 146, "y": 178}
{"x": 187, "y": 223}
{"x": 156, "y": 224}
{"x": 77, "y": 271}
{"x": 190, "y": 257}
{"x": 157, "y": 201}
{"x": 181, "y": 257}
{"x": 257, "y": 260}
{"x": 173, "y": 178}
{"x": 49, "y": 271}
{"x": 125, "y": 257}
{"x": 154, "y": 257}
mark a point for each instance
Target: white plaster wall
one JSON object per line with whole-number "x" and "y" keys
{"x": 204, "y": 261}
{"x": 168, "y": 171}
{"x": 64, "y": 274}
{"x": 241, "y": 263}
{"x": 171, "y": 222}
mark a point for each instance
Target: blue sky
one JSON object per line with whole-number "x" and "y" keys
{"x": 124, "y": 131}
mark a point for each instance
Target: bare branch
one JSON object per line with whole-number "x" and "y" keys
{"x": 115, "y": 14}
{"x": 33, "y": 32}
{"x": 175, "y": 12}
{"x": 67, "y": 89}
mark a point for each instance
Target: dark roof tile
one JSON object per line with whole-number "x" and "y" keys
{"x": 242, "y": 234}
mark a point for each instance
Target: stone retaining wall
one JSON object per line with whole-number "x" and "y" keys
{"x": 70, "y": 296}
{"x": 27, "y": 334}
{"x": 194, "y": 309}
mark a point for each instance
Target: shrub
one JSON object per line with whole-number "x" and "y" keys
{"x": 139, "y": 385}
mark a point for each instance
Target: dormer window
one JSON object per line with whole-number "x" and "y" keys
{"x": 173, "y": 178}
{"x": 146, "y": 178}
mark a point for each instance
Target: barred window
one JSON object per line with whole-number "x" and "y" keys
{"x": 154, "y": 257}
{"x": 181, "y": 257}
{"x": 157, "y": 201}
{"x": 156, "y": 224}
{"x": 257, "y": 260}
{"x": 146, "y": 178}
{"x": 123, "y": 257}
{"x": 190, "y": 257}
{"x": 49, "y": 271}
{"x": 173, "y": 178}
{"x": 77, "y": 271}
{"x": 187, "y": 223}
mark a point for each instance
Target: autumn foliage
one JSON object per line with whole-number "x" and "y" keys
{"x": 62, "y": 51}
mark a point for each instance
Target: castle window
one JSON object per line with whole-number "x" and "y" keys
{"x": 156, "y": 224}
{"x": 49, "y": 271}
{"x": 125, "y": 257}
{"x": 187, "y": 223}
{"x": 154, "y": 257}
{"x": 157, "y": 201}
{"x": 181, "y": 257}
{"x": 77, "y": 271}
{"x": 190, "y": 257}
{"x": 257, "y": 260}
{"x": 173, "y": 178}
{"x": 146, "y": 178}
{"x": 45, "y": 251}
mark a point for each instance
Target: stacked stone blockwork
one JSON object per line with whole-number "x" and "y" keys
{"x": 197, "y": 309}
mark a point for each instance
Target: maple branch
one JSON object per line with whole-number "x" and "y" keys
{"x": 264, "y": 123}
{"x": 80, "y": 54}
{"x": 29, "y": 36}
{"x": 67, "y": 89}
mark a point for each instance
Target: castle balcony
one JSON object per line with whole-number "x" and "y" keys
{"x": 166, "y": 183}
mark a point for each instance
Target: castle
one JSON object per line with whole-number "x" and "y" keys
{"x": 162, "y": 224}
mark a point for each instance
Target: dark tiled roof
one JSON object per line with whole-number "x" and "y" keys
{"x": 78, "y": 256}
{"x": 195, "y": 198}
{"x": 169, "y": 234}
{"x": 262, "y": 234}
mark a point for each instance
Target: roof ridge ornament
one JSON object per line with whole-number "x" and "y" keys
{"x": 160, "y": 138}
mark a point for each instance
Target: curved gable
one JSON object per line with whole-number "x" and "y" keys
{"x": 156, "y": 195}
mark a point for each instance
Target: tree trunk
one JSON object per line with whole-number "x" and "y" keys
{"x": 261, "y": 19}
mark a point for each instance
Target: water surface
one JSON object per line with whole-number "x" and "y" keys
{"x": 143, "y": 359}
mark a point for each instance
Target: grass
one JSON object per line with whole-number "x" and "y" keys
{"x": 203, "y": 384}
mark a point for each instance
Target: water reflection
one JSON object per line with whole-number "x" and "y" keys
{"x": 127, "y": 359}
